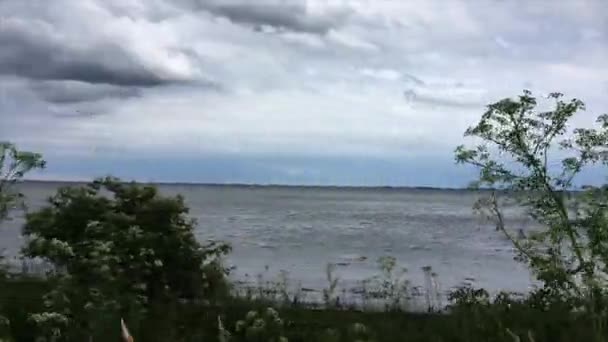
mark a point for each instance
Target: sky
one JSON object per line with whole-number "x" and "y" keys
{"x": 282, "y": 91}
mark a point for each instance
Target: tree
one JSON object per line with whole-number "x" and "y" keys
{"x": 119, "y": 249}
{"x": 516, "y": 159}
{"x": 14, "y": 164}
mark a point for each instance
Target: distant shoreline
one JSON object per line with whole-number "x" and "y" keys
{"x": 269, "y": 185}
{"x": 290, "y": 186}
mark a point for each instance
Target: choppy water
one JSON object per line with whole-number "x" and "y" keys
{"x": 302, "y": 229}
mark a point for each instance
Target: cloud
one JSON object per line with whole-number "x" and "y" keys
{"x": 348, "y": 40}
{"x": 29, "y": 54}
{"x": 450, "y": 97}
{"x": 307, "y": 39}
{"x": 85, "y": 56}
{"x": 63, "y": 92}
{"x": 295, "y": 79}
{"x": 55, "y": 45}
{"x": 289, "y": 15}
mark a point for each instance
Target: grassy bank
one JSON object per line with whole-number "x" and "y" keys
{"x": 469, "y": 319}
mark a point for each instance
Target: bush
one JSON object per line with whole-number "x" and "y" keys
{"x": 118, "y": 250}
{"x": 520, "y": 146}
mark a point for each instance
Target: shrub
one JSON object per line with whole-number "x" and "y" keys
{"x": 520, "y": 145}
{"x": 119, "y": 249}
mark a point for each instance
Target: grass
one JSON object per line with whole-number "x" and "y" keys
{"x": 471, "y": 319}
{"x": 389, "y": 290}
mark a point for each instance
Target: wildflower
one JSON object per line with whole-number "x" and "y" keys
{"x": 251, "y": 315}
{"x": 240, "y": 326}
{"x": 49, "y": 318}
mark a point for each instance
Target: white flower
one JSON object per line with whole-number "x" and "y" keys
{"x": 48, "y": 318}
{"x": 93, "y": 225}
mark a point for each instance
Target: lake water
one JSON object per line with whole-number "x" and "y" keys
{"x": 301, "y": 229}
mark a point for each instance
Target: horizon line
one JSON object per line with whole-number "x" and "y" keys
{"x": 259, "y": 185}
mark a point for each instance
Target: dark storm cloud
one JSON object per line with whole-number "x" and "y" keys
{"x": 289, "y": 15}
{"x": 36, "y": 58}
{"x": 36, "y": 54}
{"x": 64, "y": 92}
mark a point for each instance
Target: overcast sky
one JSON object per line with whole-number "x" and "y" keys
{"x": 300, "y": 92}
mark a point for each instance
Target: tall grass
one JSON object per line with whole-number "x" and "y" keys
{"x": 470, "y": 314}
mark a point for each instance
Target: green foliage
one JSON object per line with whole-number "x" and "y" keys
{"x": 264, "y": 326}
{"x": 468, "y": 297}
{"x": 14, "y": 165}
{"x": 118, "y": 250}
{"x": 19, "y": 297}
{"x": 356, "y": 332}
{"x": 570, "y": 253}
{"x": 483, "y": 320}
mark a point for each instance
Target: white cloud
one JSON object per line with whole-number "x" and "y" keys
{"x": 351, "y": 41}
{"x": 383, "y": 74}
{"x": 308, "y": 39}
